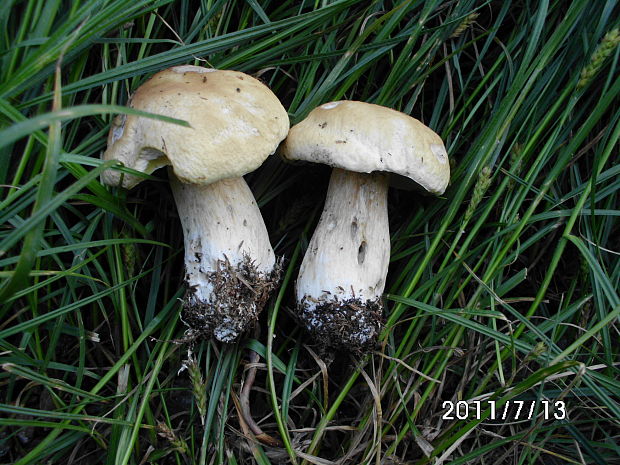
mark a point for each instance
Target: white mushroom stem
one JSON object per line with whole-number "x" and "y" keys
{"x": 346, "y": 263}
{"x": 225, "y": 239}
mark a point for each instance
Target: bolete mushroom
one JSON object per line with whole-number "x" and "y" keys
{"x": 236, "y": 122}
{"x": 343, "y": 273}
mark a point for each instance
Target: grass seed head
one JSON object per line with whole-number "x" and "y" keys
{"x": 605, "y": 49}
{"x": 484, "y": 180}
{"x": 199, "y": 387}
{"x": 175, "y": 441}
{"x": 467, "y": 21}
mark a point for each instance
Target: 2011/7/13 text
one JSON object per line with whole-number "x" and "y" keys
{"x": 512, "y": 410}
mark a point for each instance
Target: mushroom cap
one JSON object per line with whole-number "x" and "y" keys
{"x": 236, "y": 123}
{"x": 364, "y": 137}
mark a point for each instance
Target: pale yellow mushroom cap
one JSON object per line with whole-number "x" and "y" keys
{"x": 364, "y": 137}
{"x": 236, "y": 123}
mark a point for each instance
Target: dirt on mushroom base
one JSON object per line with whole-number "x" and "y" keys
{"x": 239, "y": 295}
{"x": 352, "y": 325}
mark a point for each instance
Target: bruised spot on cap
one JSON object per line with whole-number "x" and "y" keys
{"x": 118, "y": 127}
{"x": 329, "y": 106}
{"x": 191, "y": 69}
{"x": 440, "y": 153}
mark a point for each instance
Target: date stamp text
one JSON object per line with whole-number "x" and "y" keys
{"x": 512, "y": 410}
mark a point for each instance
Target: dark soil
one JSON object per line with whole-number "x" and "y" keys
{"x": 351, "y": 325}
{"x": 239, "y": 295}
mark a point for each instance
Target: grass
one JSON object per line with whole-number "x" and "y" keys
{"x": 504, "y": 289}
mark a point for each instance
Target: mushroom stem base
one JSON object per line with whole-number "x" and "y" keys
{"x": 239, "y": 293}
{"x": 230, "y": 267}
{"x": 351, "y": 325}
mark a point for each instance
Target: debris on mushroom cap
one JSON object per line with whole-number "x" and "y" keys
{"x": 236, "y": 123}
{"x": 364, "y": 137}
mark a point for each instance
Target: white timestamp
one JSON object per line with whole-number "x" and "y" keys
{"x": 510, "y": 411}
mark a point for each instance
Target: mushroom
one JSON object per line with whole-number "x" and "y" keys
{"x": 343, "y": 273}
{"x": 236, "y": 122}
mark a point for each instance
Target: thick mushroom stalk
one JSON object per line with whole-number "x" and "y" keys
{"x": 343, "y": 273}
{"x": 352, "y": 246}
{"x": 235, "y": 123}
{"x": 229, "y": 262}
